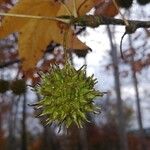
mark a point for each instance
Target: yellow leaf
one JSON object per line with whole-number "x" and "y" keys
{"x": 86, "y": 6}
{"x": 35, "y": 35}
{"x": 82, "y": 6}
{"x": 32, "y": 42}
{"x": 27, "y": 7}
{"x": 72, "y": 42}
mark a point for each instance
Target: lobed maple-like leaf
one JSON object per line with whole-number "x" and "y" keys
{"x": 26, "y": 7}
{"x": 35, "y": 35}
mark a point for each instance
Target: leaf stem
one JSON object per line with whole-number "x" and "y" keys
{"x": 64, "y": 20}
{"x": 75, "y": 9}
{"x": 66, "y": 8}
{"x": 117, "y": 7}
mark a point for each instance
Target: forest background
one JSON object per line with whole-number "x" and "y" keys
{"x": 124, "y": 119}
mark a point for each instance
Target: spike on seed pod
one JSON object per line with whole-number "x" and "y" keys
{"x": 124, "y": 3}
{"x": 67, "y": 95}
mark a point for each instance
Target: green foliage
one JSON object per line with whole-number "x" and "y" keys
{"x": 67, "y": 95}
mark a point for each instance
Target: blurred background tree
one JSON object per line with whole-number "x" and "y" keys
{"x": 123, "y": 122}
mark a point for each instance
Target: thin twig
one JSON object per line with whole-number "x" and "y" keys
{"x": 121, "y": 52}
{"x": 117, "y": 7}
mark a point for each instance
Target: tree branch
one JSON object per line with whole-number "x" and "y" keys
{"x": 94, "y": 21}
{"x": 6, "y": 64}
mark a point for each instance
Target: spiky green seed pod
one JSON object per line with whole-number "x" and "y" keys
{"x": 67, "y": 95}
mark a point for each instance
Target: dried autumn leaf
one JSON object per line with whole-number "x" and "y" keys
{"x": 86, "y": 6}
{"x": 82, "y": 7}
{"x": 106, "y": 8}
{"x": 32, "y": 42}
{"x": 71, "y": 40}
{"x": 35, "y": 35}
{"x": 27, "y": 7}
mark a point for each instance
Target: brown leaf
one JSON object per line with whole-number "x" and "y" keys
{"x": 33, "y": 40}
{"x": 106, "y": 8}
{"x": 27, "y": 7}
{"x": 35, "y": 35}
{"x": 82, "y": 6}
